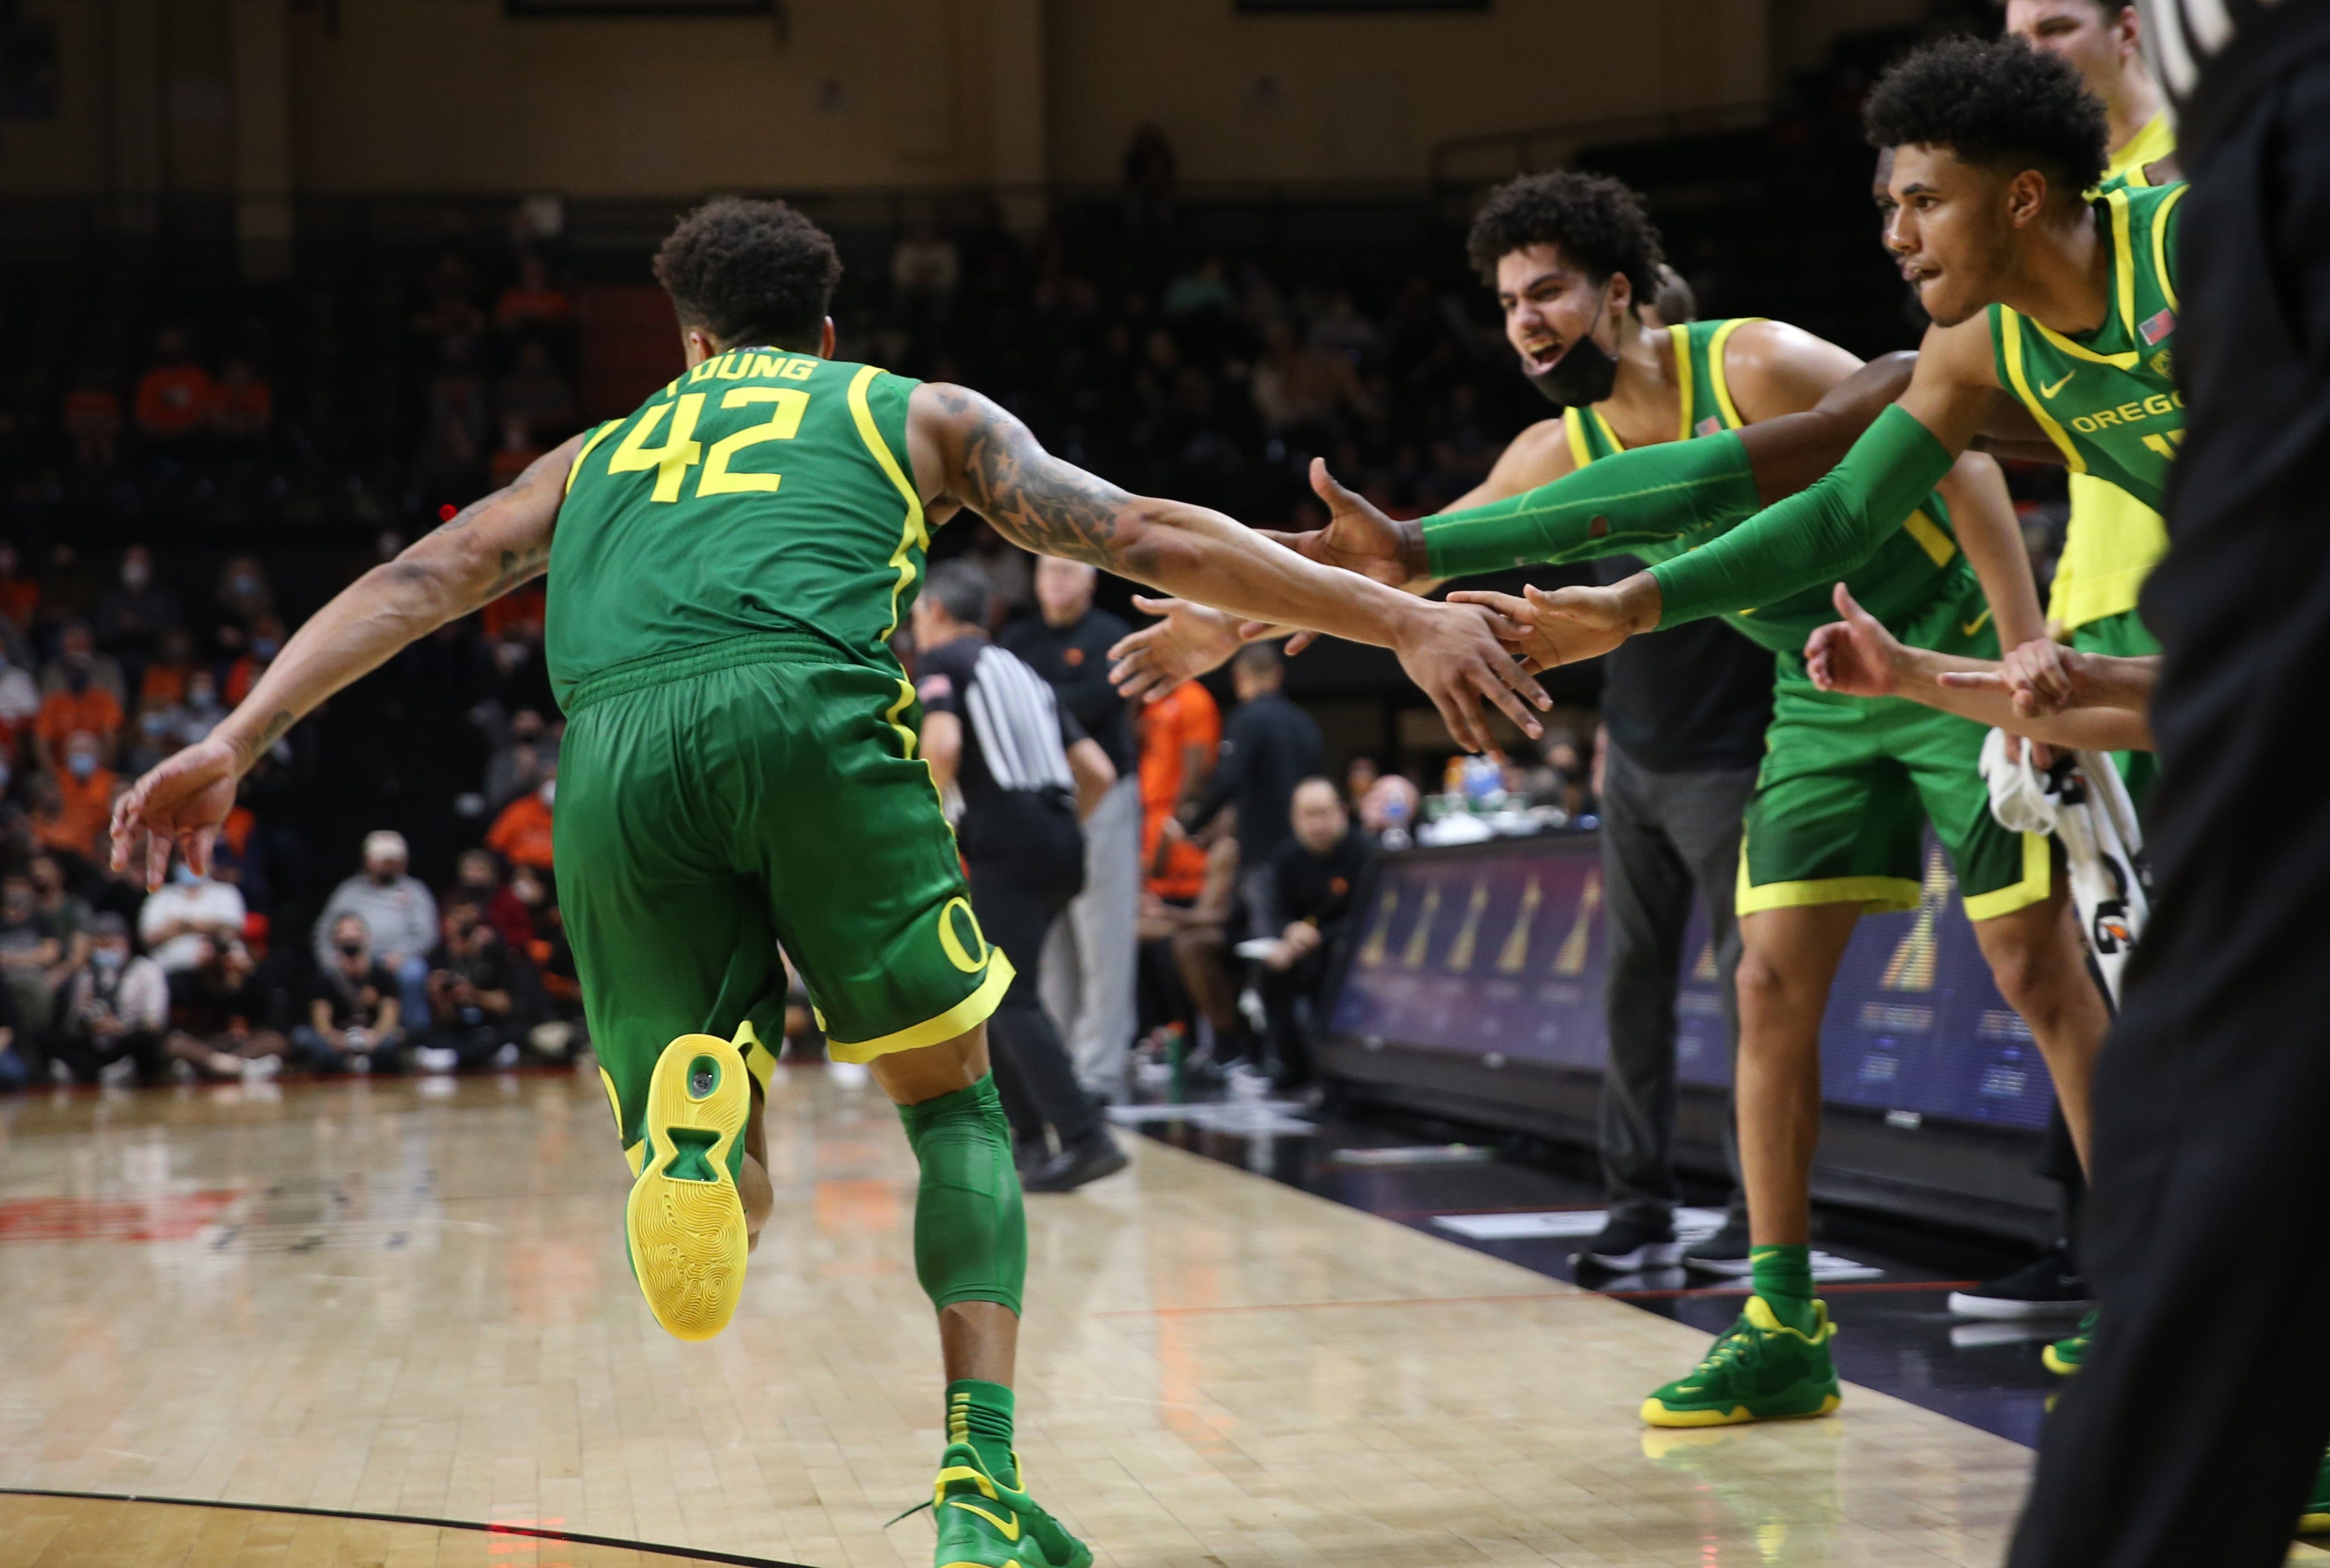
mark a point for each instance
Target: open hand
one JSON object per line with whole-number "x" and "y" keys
{"x": 1192, "y": 639}
{"x": 180, "y": 803}
{"x": 1358, "y": 537}
{"x": 1457, "y": 655}
{"x": 1855, "y": 657}
{"x": 1550, "y": 629}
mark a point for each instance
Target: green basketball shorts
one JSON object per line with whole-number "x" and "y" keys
{"x": 2123, "y": 636}
{"x": 759, "y": 792}
{"x": 1848, "y": 784}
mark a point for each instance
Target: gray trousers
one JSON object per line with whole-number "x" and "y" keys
{"x": 1090, "y": 956}
{"x": 1663, "y": 834}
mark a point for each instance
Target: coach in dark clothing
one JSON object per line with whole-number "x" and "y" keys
{"x": 1685, "y": 713}
{"x": 1268, "y": 747}
{"x": 998, "y": 742}
{"x": 1310, "y": 883}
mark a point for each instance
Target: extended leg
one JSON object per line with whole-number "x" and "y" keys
{"x": 2035, "y": 957}
{"x": 1788, "y": 957}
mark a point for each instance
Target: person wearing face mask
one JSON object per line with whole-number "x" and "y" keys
{"x": 266, "y": 642}
{"x": 30, "y": 951}
{"x": 20, "y": 703}
{"x": 521, "y": 834}
{"x": 84, "y": 798}
{"x": 242, "y": 598}
{"x": 199, "y": 712}
{"x": 133, "y": 615}
{"x": 356, "y": 1016}
{"x": 80, "y": 693}
{"x": 188, "y": 918}
{"x": 525, "y": 754}
{"x": 20, "y": 592}
{"x": 164, "y": 683}
{"x": 399, "y": 916}
{"x": 113, "y": 1009}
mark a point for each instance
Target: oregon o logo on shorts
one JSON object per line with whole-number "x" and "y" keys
{"x": 957, "y": 953}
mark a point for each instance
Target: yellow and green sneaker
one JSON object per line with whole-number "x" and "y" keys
{"x": 684, "y": 1223}
{"x": 984, "y": 1523}
{"x": 1760, "y": 1369}
{"x": 2065, "y": 1356}
{"x": 2315, "y": 1518}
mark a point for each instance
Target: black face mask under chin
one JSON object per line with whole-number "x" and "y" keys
{"x": 1580, "y": 378}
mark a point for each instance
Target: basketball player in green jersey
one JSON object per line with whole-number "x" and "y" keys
{"x": 2036, "y": 294}
{"x": 727, "y": 566}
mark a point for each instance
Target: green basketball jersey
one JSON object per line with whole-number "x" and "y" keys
{"x": 1915, "y": 562}
{"x": 2106, "y": 397}
{"x": 761, "y": 493}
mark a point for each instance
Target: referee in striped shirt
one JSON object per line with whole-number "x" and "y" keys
{"x": 1020, "y": 775}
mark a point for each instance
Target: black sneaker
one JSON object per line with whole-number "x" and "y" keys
{"x": 1724, "y": 1253}
{"x": 1628, "y": 1242}
{"x": 2050, "y": 1286}
{"x": 1072, "y": 1167}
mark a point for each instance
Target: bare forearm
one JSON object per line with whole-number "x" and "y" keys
{"x": 2100, "y": 729}
{"x": 1983, "y": 515}
{"x": 2107, "y": 681}
{"x": 1202, "y": 555}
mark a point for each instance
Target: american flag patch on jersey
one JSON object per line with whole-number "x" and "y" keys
{"x": 1707, "y": 427}
{"x": 2158, "y": 328}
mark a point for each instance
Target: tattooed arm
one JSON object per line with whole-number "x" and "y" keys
{"x": 488, "y": 549}
{"x": 968, "y": 452}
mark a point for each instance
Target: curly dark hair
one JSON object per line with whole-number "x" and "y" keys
{"x": 1597, "y": 221}
{"x": 2004, "y": 104}
{"x": 750, "y": 272}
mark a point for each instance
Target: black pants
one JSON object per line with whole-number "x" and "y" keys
{"x": 1664, "y": 835}
{"x": 84, "y": 1056}
{"x": 1301, "y": 981}
{"x": 2191, "y": 1434}
{"x": 1017, "y": 897}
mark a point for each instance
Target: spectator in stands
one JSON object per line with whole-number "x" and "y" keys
{"x": 533, "y": 302}
{"x": 476, "y": 987}
{"x": 243, "y": 405}
{"x": 113, "y": 1008}
{"x": 30, "y": 962}
{"x": 77, "y": 800}
{"x": 68, "y": 589}
{"x": 20, "y": 703}
{"x": 398, "y": 914}
{"x": 924, "y": 269}
{"x": 526, "y": 754}
{"x": 1301, "y": 392}
{"x": 242, "y": 599}
{"x": 1311, "y": 881}
{"x": 16, "y": 1063}
{"x": 196, "y": 713}
{"x": 265, "y": 642}
{"x": 535, "y": 392}
{"x": 521, "y": 834}
{"x": 134, "y": 616}
{"x": 451, "y": 317}
{"x": 20, "y": 595}
{"x": 354, "y": 1017}
{"x": 92, "y": 420}
{"x": 162, "y": 686}
{"x": 174, "y": 395}
{"x": 68, "y": 913}
{"x": 78, "y": 656}
{"x": 1359, "y": 776}
{"x": 479, "y": 880}
{"x": 1268, "y": 747}
{"x": 218, "y": 1016}
{"x": 188, "y": 918}
{"x": 1179, "y": 735}
{"x": 1089, "y": 959}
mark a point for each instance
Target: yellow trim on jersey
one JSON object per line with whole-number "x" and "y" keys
{"x": 959, "y": 1019}
{"x": 2038, "y": 881}
{"x": 2160, "y": 244}
{"x": 2123, "y": 290}
{"x": 2155, "y": 142}
{"x": 601, "y": 434}
{"x": 912, "y": 533}
{"x": 2010, "y": 349}
{"x": 1930, "y": 536}
{"x": 1875, "y": 894}
{"x": 1678, "y": 335}
{"x": 1717, "y": 376}
{"x": 1608, "y": 434}
{"x": 1581, "y": 450}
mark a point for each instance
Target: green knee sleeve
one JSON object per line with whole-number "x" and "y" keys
{"x": 971, "y": 1232}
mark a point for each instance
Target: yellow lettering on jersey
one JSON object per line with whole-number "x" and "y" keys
{"x": 798, "y": 369}
{"x": 735, "y": 366}
{"x": 679, "y": 452}
{"x": 766, "y": 365}
{"x": 702, "y": 370}
{"x": 782, "y": 424}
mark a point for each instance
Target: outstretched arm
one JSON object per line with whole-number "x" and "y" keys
{"x": 968, "y": 452}
{"x": 490, "y": 548}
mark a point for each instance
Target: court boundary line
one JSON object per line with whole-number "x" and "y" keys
{"x": 485, "y": 1527}
{"x": 1577, "y": 1293}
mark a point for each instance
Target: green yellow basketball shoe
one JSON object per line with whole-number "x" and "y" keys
{"x": 684, "y": 1220}
{"x": 2066, "y": 1356}
{"x": 984, "y": 1523}
{"x": 2315, "y": 1518}
{"x": 1760, "y": 1369}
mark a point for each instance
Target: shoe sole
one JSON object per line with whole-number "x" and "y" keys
{"x": 1729, "y": 1268}
{"x": 685, "y": 1230}
{"x": 2313, "y": 1523}
{"x": 1649, "y": 1255}
{"x": 2056, "y": 1363}
{"x": 2001, "y": 1309}
{"x": 1653, "y": 1413}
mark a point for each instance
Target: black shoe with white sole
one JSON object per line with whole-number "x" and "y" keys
{"x": 2050, "y": 1286}
{"x": 1724, "y": 1253}
{"x": 1628, "y": 1242}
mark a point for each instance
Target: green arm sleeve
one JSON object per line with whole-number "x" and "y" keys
{"x": 1609, "y": 507}
{"x": 1815, "y": 536}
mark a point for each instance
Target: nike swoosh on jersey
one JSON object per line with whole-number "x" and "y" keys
{"x": 2049, "y": 392}
{"x": 1010, "y": 1529}
{"x": 1969, "y": 627}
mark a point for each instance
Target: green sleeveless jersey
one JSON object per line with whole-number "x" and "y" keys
{"x": 2106, "y": 397}
{"x": 1901, "y": 578}
{"x": 764, "y": 493}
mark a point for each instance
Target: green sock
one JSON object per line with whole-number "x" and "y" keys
{"x": 1782, "y": 1276}
{"x": 979, "y": 1413}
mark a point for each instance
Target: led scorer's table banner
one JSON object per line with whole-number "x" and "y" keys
{"x": 1501, "y": 949}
